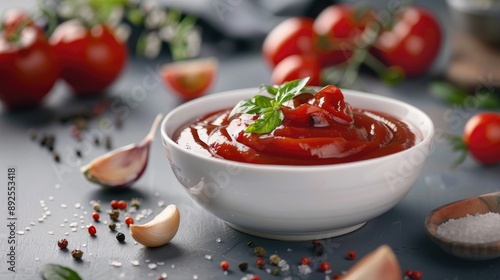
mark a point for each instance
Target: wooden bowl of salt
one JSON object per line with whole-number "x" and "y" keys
{"x": 468, "y": 228}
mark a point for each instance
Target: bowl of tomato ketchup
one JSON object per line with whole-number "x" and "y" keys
{"x": 334, "y": 160}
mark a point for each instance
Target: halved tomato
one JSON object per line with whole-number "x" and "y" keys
{"x": 190, "y": 79}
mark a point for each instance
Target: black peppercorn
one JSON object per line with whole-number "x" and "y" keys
{"x": 251, "y": 244}
{"x": 120, "y": 237}
{"x": 112, "y": 226}
{"x": 318, "y": 250}
{"x": 243, "y": 266}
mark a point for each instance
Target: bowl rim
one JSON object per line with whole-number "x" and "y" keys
{"x": 220, "y": 95}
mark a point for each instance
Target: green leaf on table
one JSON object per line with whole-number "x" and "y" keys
{"x": 57, "y": 272}
{"x": 271, "y": 115}
{"x": 447, "y": 92}
{"x": 487, "y": 100}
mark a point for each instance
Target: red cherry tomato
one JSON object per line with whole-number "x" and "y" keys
{"x": 482, "y": 137}
{"x": 29, "y": 66}
{"x": 337, "y": 30}
{"x": 297, "y": 67}
{"x": 412, "y": 43}
{"x": 92, "y": 58}
{"x": 292, "y": 36}
{"x": 190, "y": 79}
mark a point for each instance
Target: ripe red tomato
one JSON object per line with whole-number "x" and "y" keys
{"x": 92, "y": 58}
{"x": 29, "y": 67}
{"x": 482, "y": 137}
{"x": 292, "y": 36}
{"x": 412, "y": 43}
{"x": 337, "y": 30}
{"x": 297, "y": 67}
{"x": 190, "y": 79}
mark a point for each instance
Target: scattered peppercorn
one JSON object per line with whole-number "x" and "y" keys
{"x": 260, "y": 262}
{"x": 324, "y": 266}
{"x": 78, "y": 153}
{"x": 274, "y": 259}
{"x": 114, "y": 204}
{"x": 114, "y": 215}
{"x": 62, "y": 243}
{"x": 243, "y": 266}
{"x": 77, "y": 254}
{"x": 259, "y": 251}
{"x": 129, "y": 220}
{"x": 336, "y": 276}
{"x": 315, "y": 243}
{"x": 122, "y": 205}
{"x": 224, "y": 265}
{"x": 97, "y": 142}
{"x": 135, "y": 202}
{"x": 92, "y": 230}
{"x": 95, "y": 216}
{"x": 305, "y": 261}
{"x": 120, "y": 237}
{"x": 112, "y": 226}
{"x": 96, "y": 206}
{"x": 107, "y": 143}
{"x": 351, "y": 255}
{"x": 409, "y": 273}
{"x": 318, "y": 250}
{"x": 251, "y": 244}
{"x": 255, "y": 277}
{"x": 417, "y": 275}
{"x": 275, "y": 271}
{"x": 56, "y": 157}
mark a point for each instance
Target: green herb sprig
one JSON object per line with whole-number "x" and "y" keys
{"x": 57, "y": 272}
{"x": 269, "y": 108}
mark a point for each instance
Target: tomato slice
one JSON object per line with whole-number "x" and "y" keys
{"x": 190, "y": 79}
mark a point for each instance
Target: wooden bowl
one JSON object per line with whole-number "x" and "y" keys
{"x": 455, "y": 210}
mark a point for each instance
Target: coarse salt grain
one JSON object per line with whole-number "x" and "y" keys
{"x": 479, "y": 228}
{"x": 152, "y": 266}
{"x": 116, "y": 263}
{"x": 135, "y": 262}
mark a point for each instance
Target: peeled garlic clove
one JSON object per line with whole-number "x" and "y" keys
{"x": 158, "y": 231}
{"x": 123, "y": 166}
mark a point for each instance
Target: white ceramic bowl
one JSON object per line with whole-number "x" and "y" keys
{"x": 297, "y": 202}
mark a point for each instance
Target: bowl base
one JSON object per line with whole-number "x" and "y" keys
{"x": 283, "y": 236}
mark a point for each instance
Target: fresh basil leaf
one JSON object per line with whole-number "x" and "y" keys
{"x": 254, "y": 105}
{"x": 288, "y": 90}
{"x": 271, "y": 89}
{"x": 267, "y": 121}
{"x": 57, "y": 272}
{"x": 263, "y": 101}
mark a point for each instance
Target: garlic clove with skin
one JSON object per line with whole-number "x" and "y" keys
{"x": 158, "y": 231}
{"x": 123, "y": 166}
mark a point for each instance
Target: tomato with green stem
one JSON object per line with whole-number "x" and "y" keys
{"x": 92, "y": 57}
{"x": 412, "y": 43}
{"x": 29, "y": 66}
{"x": 337, "y": 31}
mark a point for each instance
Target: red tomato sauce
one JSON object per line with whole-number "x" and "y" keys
{"x": 317, "y": 129}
